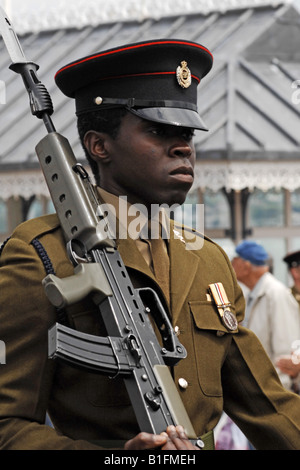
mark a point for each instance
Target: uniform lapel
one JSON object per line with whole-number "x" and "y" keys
{"x": 132, "y": 257}
{"x": 184, "y": 264}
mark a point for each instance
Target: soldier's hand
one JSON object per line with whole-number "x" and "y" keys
{"x": 177, "y": 439}
{"x": 144, "y": 441}
{"x": 174, "y": 438}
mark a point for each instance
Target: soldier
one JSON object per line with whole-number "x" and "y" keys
{"x": 293, "y": 262}
{"x": 137, "y": 112}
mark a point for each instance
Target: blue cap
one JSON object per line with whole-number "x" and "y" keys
{"x": 252, "y": 252}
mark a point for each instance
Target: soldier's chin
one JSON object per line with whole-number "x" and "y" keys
{"x": 178, "y": 198}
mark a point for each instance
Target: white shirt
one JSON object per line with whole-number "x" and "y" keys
{"x": 273, "y": 315}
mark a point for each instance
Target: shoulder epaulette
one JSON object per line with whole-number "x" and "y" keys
{"x": 34, "y": 228}
{"x": 43, "y": 225}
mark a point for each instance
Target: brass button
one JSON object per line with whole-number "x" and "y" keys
{"x": 183, "y": 383}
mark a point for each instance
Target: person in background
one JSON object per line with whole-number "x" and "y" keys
{"x": 272, "y": 312}
{"x": 293, "y": 262}
{"x": 290, "y": 364}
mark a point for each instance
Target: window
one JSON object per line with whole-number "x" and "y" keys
{"x": 3, "y": 217}
{"x": 266, "y": 209}
{"x": 191, "y": 212}
{"x": 274, "y": 220}
{"x": 50, "y": 207}
{"x": 216, "y": 210}
{"x": 40, "y": 206}
{"x": 295, "y": 208}
{"x": 35, "y": 210}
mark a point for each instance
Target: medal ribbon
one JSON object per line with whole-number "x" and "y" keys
{"x": 220, "y": 297}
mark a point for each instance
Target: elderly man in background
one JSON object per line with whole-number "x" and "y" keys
{"x": 272, "y": 312}
{"x": 290, "y": 364}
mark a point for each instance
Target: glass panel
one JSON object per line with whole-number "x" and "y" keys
{"x": 295, "y": 207}
{"x": 216, "y": 210}
{"x": 266, "y": 209}
{"x": 191, "y": 212}
{"x": 35, "y": 210}
{"x": 50, "y": 207}
{"x": 3, "y": 217}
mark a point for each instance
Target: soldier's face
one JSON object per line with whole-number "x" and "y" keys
{"x": 151, "y": 163}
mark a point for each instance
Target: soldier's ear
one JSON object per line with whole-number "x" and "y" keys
{"x": 96, "y": 145}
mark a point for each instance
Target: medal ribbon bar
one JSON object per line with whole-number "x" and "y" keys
{"x": 223, "y": 304}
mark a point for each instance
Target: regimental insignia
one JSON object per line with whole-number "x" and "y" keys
{"x": 223, "y": 305}
{"x": 183, "y": 74}
{"x": 178, "y": 235}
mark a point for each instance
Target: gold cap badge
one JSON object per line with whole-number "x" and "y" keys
{"x": 183, "y": 74}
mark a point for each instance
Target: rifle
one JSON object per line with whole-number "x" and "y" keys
{"x": 131, "y": 349}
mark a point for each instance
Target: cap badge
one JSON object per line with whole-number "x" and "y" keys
{"x": 183, "y": 74}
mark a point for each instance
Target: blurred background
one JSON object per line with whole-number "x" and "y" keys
{"x": 248, "y": 167}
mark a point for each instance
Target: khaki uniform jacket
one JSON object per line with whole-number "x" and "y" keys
{"x": 222, "y": 367}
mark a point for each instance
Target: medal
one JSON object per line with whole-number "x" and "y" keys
{"x": 229, "y": 320}
{"x": 220, "y": 297}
